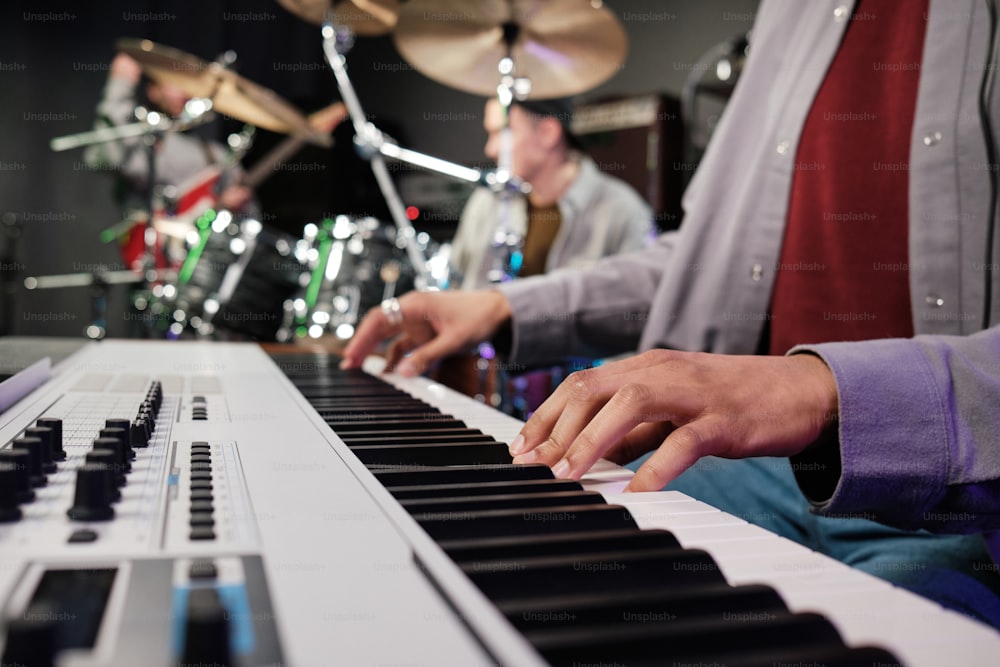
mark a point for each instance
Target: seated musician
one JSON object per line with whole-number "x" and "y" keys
{"x": 821, "y": 338}
{"x": 574, "y": 215}
{"x": 184, "y": 161}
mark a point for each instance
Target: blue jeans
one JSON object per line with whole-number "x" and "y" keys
{"x": 956, "y": 571}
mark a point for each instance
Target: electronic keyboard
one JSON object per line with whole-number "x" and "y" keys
{"x": 182, "y": 503}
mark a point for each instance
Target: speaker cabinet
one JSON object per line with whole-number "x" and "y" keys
{"x": 639, "y": 140}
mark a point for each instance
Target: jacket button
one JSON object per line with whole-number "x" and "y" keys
{"x": 932, "y": 139}
{"x": 934, "y": 301}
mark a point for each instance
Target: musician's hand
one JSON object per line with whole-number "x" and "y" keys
{"x": 235, "y": 197}
{"x": 435, "y": 324}
{"x": 688, "y": 405}
{"x": 126, "y": 68}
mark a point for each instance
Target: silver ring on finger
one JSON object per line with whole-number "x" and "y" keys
{"x": 393, "y": 311}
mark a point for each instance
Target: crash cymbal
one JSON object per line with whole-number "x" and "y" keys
{"x": 231, "y": 94}
{"x": 563, "y": 47}
{"x": 365, "y": 17}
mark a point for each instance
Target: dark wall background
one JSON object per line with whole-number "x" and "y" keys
{"x": 53, "y": 63}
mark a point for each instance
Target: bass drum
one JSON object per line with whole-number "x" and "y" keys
{"x": 236, "y": 279}
{"x": 354, "y": 264}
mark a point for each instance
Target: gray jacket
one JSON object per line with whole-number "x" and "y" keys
{"x": 601, "y": 216}
{"x": 919, "y": 424}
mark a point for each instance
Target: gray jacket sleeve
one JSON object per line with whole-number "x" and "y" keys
{"x": 124, "y": 155}
{"x": 594, "y": 312}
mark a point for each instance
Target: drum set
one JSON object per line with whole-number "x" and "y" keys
{"x": 210, "y": 272}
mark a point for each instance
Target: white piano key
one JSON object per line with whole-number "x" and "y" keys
{"x": 606, "y": 472}
{"x": 606, "y": 487}
{"x": 659, "y": 498}
{"x": 729, "y": 540}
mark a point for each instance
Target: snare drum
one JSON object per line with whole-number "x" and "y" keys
{"x": 237, "y": 277}
{"x": 354, "y": 265}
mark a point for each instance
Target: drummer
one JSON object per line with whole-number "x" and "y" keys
{"x": 183, "y": 161}
{"x": 574, "y": 215}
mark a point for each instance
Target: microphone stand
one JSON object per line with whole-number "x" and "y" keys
{"x": 150, "y": 127}
{"x": 506, "y": 243}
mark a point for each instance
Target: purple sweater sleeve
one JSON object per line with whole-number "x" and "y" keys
{"x": 919, "y": 432}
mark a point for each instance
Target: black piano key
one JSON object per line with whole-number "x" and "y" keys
{"x": 369, "y": 404}
{"x": 331, "y": 383}
{"x": 378, "y": 416}
{"x": 567, "y": 519}
{"x": 329, "y": 408}
{"x": 352, "y": 377}
{"x": 330, "y": 412}
{"x": 420, "y": 438}
{"x": 650, "y": 603}
{"x": 404, "y": 406}
{"x": 508, "y": 578}
{"x": 325, "y": 388}
{"x": 472, "y": 474}
{"x": 337, "y": 376}
{"x": 645, "y": 644}
{"x": 402, "y": 436}
{"x": 500, "y": 502}
{"x": 336, "y": 401}
{"x": 451, "y": 453}
{"x": 319, "y": 393}
{"x": 344, "y": 386}
{"x": 390, "y": 426}
{"x": 827, "y": 655}
{"x": 564, "y": 544}
{"x": 347, "y": 377}
{"x": 390, "y": 441}
{"x": 307, "y": 362}
{"x": 483, "y": 489}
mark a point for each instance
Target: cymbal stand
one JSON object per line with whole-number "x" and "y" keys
{"x": 506, "y": 243}
{"x": 337, "y": 42}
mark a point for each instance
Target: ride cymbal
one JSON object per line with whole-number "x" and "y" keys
{"x": 365, "y": 17}
{"x": 564, "y": 47}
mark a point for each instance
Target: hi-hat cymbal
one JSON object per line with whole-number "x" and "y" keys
{"x": 563, "y": 47}
{"x": 231, "y": 94}
{"x": 365, "y": 17}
